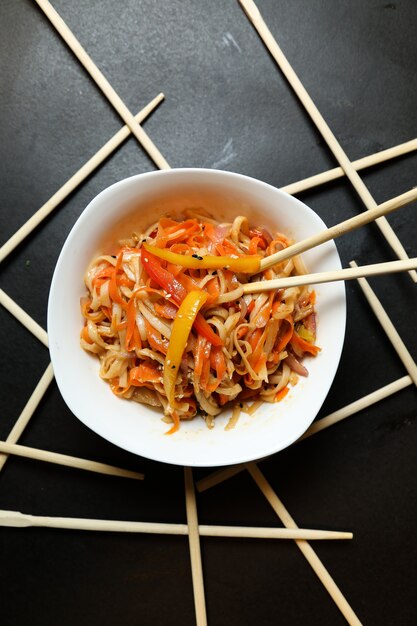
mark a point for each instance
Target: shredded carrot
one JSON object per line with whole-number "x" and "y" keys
{"x": 284, "y": 337}
{"x": 282, "y": 393}
{"x": 259, "y": 363}
{"x": 133, "y": 339}
{"x": 264, "y": 314}
{"x": 223, "y": 399}
{"x": 125, "y": 282}
{"x": 113, "y": 288}
{"x": 254, "y": 243}
{"x": 303, "y": 345}
{"x": 176, "y": 424}
{"x": 171, "y": 231}
{"x": 280, "y": 241}
{"x": 187, "y": 282}
{"x": 213, "y": 289}
{"x": 258, "y": 358}
{"x": 166, "y": 309}
{"x": 116, "y": 388}
{"x": 107, "y": 311}
{"x": 217, "y": 363}
{"x": 204, "y": 378}
{"x": 85, "y": 335}
{"x": 155, "y": 339}
{"x": 146, "y": 372}
{"x": 254, "y": 338}
{"x": 96, "y": 316}
{"x": 174, "y": 269}
{"x": 103, "y": 276}
{"x": 276, "y": 304}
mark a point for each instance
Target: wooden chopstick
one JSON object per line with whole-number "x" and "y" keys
{"x": 195, "y": 551}
{"x": 28, "y": 410}
{"x": 376, "y": 269}
{"x": 43, "y": 383}
{"x": 360, "y": 164}
{"x": 219, "y": 476}
{"x": 304, "y": 547}
{"x": 389, "y": 327}
{"x": 68, "y": 461}
{"x": 23, "y": 318}
{"x": 356, "y": 406}
{"x": 99, "y": 78}
{"x": 340, "y": 229}
{"x": 21, "y": 520}
{"x": 9, "y": 446}
{"x": 270, "y": 42}
{"x": 75, "y": 180}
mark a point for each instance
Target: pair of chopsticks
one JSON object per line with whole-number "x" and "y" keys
{"x": 332, "y": 233}
{"x": 333, "y": 144}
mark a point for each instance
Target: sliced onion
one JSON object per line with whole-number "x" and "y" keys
{"x": 140, "y": 322}
{"x": 207, "y": 404}
{"x": 301, "y": 314}
{"x": 232, "y": 391}
{"x": 146, "y": 396}
{"x": 310, "y": 323}
{"x": 296, "y": 365}
{"x": 266, "y": 235}
{"x": 272, "y": 332}
{"x": 220, "y": 232}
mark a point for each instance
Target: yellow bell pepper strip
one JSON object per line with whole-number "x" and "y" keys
{"x": 247, "y": 264}
{"x": 305, "y": 334}
{"x": 181, "y": 329}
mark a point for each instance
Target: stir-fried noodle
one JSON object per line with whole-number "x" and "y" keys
{"x": 236, "y": 348}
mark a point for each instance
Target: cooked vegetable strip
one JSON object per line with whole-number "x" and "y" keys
{"x": 248, "y": 264}
{"x": 181, "y": 329}
{"x": 168, "y": 317}
{"x": 175, "y": 289}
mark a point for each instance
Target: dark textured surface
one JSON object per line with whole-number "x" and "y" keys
{"x": 227, "y": 106}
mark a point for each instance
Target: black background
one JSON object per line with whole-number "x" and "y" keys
{"x": 227, "y": 106}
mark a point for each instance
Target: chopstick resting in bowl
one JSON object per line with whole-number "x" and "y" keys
{"x": 340, "y": 229}
{"x": 376, "y": 269}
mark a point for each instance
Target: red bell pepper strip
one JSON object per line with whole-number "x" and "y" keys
{"x": 167, "y": 281}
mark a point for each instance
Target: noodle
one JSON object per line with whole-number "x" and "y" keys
{"x": 236, "y": 348}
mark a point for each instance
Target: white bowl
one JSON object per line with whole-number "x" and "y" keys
{"x": 136, "y": 202}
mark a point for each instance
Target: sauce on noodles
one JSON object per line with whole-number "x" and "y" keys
{"x": 237, "y": 350}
